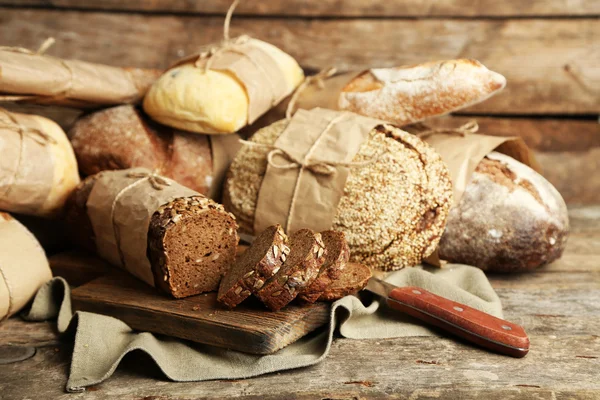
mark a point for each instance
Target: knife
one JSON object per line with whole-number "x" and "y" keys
{"x": 461, "y": 320}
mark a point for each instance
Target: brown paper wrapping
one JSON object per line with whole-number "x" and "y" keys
{"x": 462, "y": 154}
{"x": 303, "y": 185}
{"x": 120, "y": 207}
{"x": 326, "y": 94}
{"x": 260, "y": 74}
{"x": 37, "y": 78}
{"x": 26, "y": 164}
{"x": 224, "y": 149}
{"x": 23, "y": 266}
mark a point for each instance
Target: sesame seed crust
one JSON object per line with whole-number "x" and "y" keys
{"x": 392, "y": 211}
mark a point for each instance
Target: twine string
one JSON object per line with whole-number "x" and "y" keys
{"x": 309, "y": 80}
{"x": 36, "y": 134}
{"x": 469, "y": 127}
{"x": 156, "y": 181}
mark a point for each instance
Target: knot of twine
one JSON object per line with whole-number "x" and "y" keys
{"x": 35, "y": 134}
{"x": 41, "y": 50}
{"x": 227, "y": 44}
{"x": 469, "y": 127}
{"x": 309, "y": 80}
{"x": 158, "y": 182}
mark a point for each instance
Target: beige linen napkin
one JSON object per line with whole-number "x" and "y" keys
{"x": 101, "y": 341}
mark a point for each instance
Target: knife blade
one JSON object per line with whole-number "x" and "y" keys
{"x": 459, "y": 319}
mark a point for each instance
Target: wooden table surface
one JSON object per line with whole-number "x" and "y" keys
{"x": 558, "y": 305}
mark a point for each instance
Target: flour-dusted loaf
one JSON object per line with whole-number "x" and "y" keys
{"x": 123, "y": 137}
{"x": 354, "y": 278}
{"x": 299, "y": 270}
{"x": 23, "y": 266}
{"x": 254, "y": 266}
{"x": 212, "y": 101}
{"x": 392, "y": 211}
{"x": 191, "y": 240}
{"x": 37, "y": 173}
{"x": 335, "y": 260}
{"x": 404, "y": 95}
{"x": 509, "y": 219}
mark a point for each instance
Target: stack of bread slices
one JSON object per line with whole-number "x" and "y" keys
{"x": 306, "y": 265}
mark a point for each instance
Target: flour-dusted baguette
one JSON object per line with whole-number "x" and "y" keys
{"x": 392, "y": 211}
{"x": 335, "y": 260}
{"x": 165, "y": 234}
{"x": 123, "y": 137}
{"x": 236, "y": 89}
{"x": 298, "y": 271}
{"x": 354, "y": 278}
{"x": 23, "y": 266}
{"x": 509, "y": 219}
{"x": 38, "y": 169}
{"x": 254, "y": 266}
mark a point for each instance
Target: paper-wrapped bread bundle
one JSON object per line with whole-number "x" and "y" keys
{"x": 388, "y": 191}
{"x": 23, "y": 266}
{"x": 123, "y": 137}
{"x": 223, "y": 89}
{"x": 38, "y": 169}
{"x": 407, "y": 94}
{"x": 33, "y": 77}
{"x": 165, "y": 234}
{"x": 506, "y": 217}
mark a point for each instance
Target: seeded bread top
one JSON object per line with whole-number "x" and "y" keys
{"x": 393, "y": 211}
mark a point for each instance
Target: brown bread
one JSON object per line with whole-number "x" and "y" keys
{"x": 509, "y": 219}
{"x": 354, "y": 278}
{"x": 335, "y": 261}
{"x": 123, "y": 137}
{"x": 191, "y": 241}
{"x": 298, "y": 271}
{"x": 254, "y": 266}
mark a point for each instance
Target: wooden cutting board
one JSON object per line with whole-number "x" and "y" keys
{"x": 249, "y": 327}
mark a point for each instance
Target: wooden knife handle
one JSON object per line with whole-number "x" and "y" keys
{"x": 473, "y": 325}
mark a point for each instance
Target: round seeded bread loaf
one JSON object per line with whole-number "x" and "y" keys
{"x": 392, "y": 212}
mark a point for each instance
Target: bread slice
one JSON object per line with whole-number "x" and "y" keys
{"x": 353, "y": 279}
{"x": 299, "y": 270}
{"x": 335, "y": 261}
{"x": 192, "y": 243}
{"x": 253, "y": 267}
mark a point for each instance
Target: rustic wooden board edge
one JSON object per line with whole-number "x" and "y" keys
{"x": 254, "y": 340}
{"x": 332, "y": 8}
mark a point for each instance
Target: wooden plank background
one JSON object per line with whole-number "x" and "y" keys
{"x": 548, "y": 50}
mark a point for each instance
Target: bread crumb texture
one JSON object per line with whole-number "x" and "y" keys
{"x": 392, "y": 211}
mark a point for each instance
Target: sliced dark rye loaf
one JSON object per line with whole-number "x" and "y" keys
{"x": 254, "y": 267}
{"x": 180, "y": 233}
{"x": 353, "y": 279}
{"x": 335, "y": 261}
{"x": 192, "y": 243}
{"x": 299, "y": 270}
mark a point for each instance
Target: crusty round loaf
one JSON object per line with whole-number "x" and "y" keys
{"x": 213, "y": 102}
{"x": 392, "y": 212}
{"x": 509, "y": 219}
{"x": 123, "y": 137}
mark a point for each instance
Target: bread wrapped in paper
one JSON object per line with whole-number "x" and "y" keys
{"x": 38, "y": 169}
{"x": 23, "y": 266}
{"x": 33, "y": 77}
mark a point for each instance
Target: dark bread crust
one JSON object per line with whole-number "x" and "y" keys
{"x": 124, "y": 137}
{"x": 78, "y": 224}
{"x": 354, "y": 278}
{"x": 336, "y": 258}
{"x": 497, "y": 231}
{"x": 247, "y": 275}
{"x": 203, "y": 270}
{"x": 299, "y": 270}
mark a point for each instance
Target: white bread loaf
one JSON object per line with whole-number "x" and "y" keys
{"x": 212, "y": 101}
{"x": 409, "y": 94}
{"x": 56, "y": 152}
{"x": 23, "y": 266}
